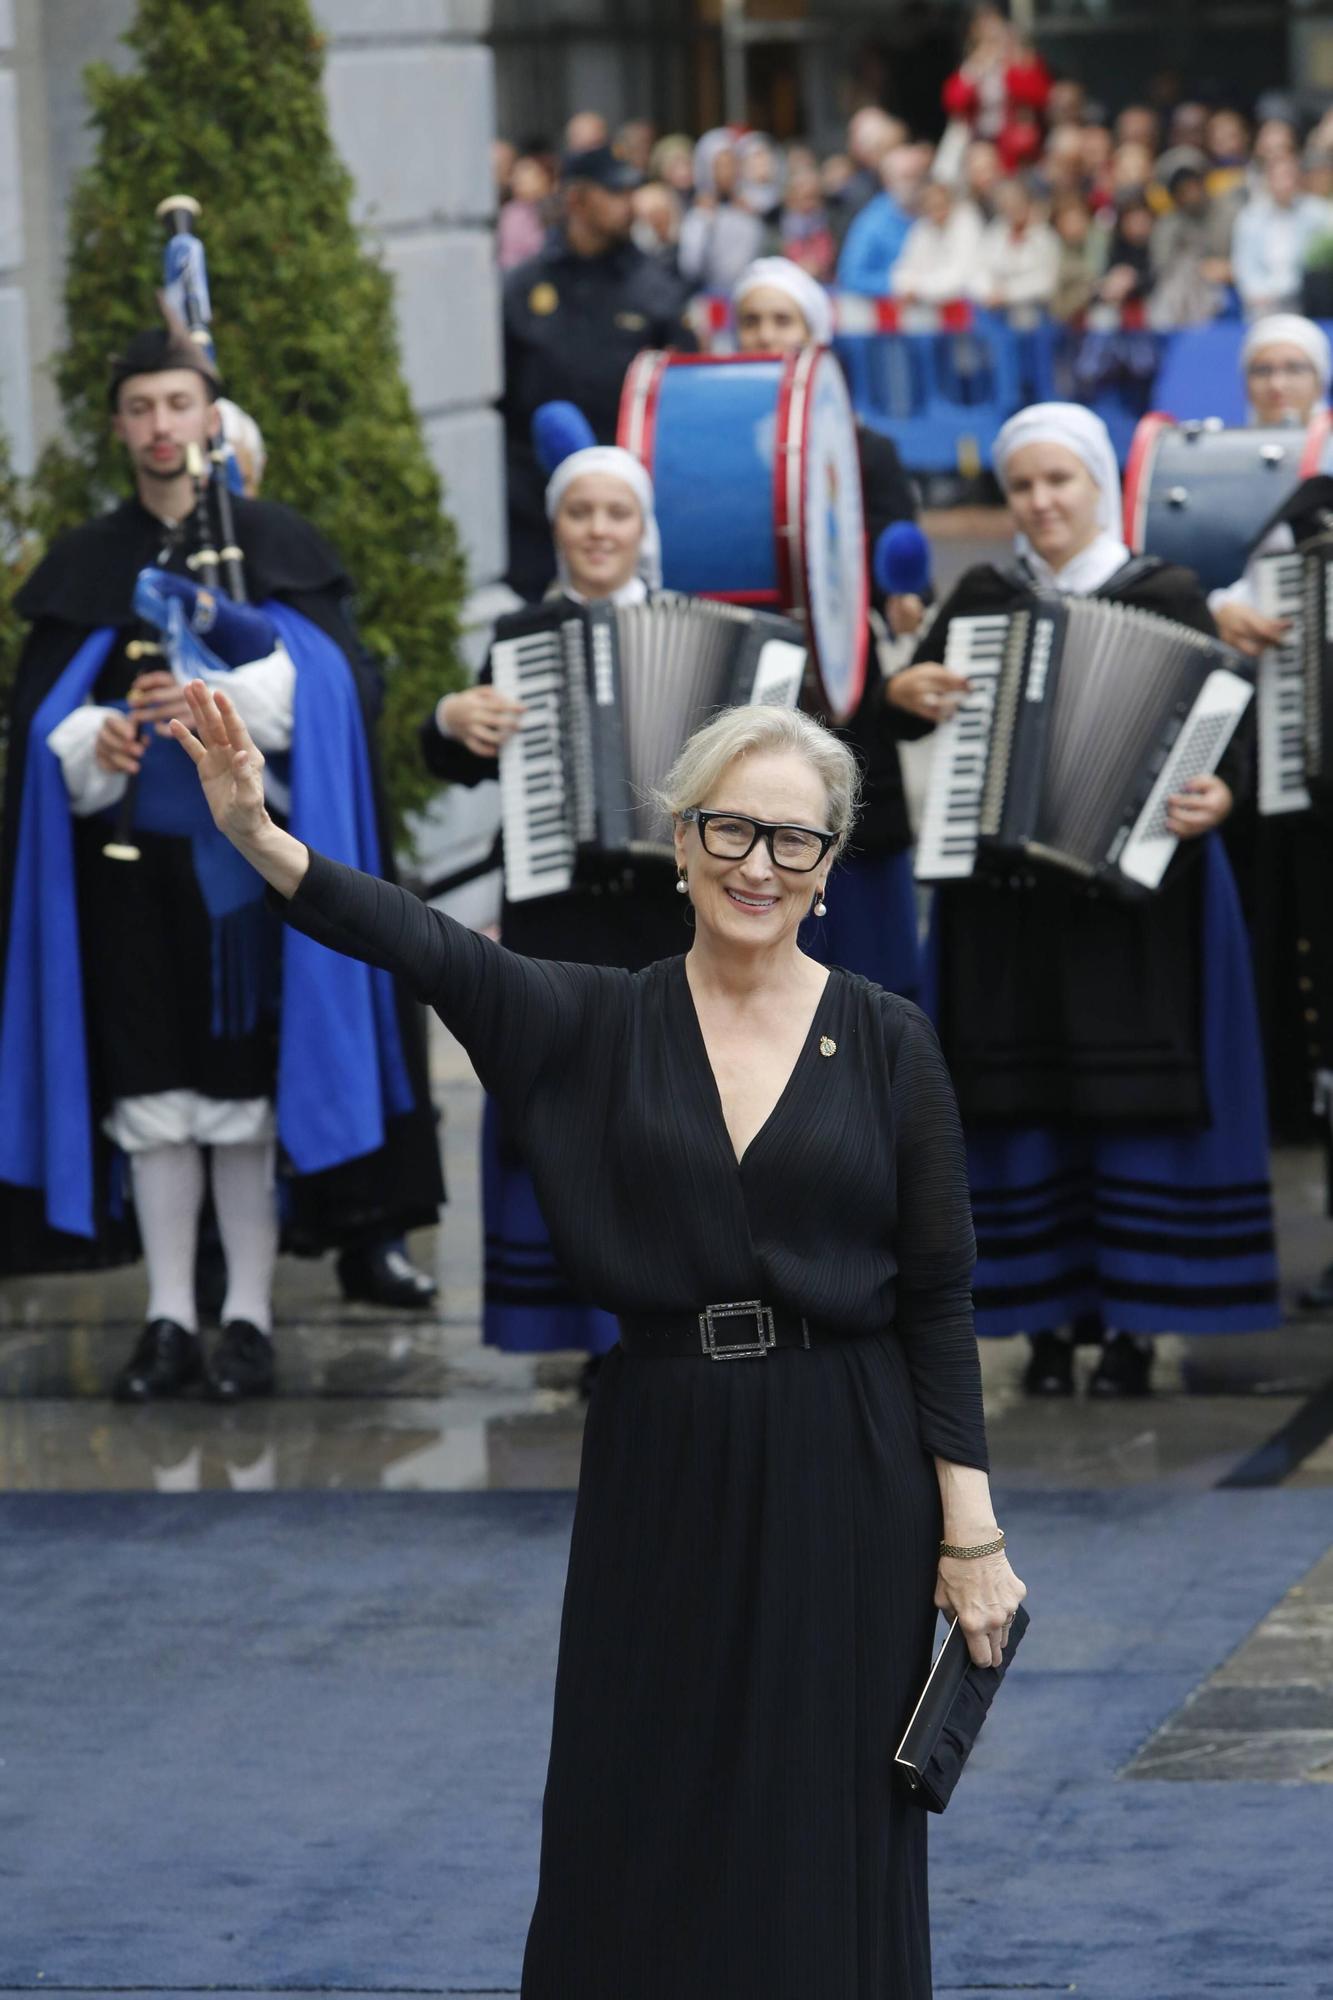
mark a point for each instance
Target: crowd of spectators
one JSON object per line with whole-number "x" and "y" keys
{"x": 1034, "y": 197}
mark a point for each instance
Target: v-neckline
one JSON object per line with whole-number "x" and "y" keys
{"x": 793, "y": 1075}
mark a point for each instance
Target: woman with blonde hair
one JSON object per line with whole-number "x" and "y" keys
{"x": 756, "y": 1164}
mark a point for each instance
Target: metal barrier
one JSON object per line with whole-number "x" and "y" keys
{"x": 940, "y": 380}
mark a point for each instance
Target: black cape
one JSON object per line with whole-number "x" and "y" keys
{"x": 85, "y": 582}
{"x": 1057, "y": 1003}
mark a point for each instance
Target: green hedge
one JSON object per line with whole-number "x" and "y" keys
{"x": 225, "y": 103}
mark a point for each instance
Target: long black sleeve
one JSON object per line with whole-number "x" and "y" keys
{"x": 513, "y": 1015}
{"x": 936, "y": 1249}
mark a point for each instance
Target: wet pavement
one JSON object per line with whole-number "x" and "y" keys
{"x": 372, "y": 1401}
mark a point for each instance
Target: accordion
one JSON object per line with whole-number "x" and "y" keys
{"x": 1295, "y": 703}
{"x": 1083, "y": 718}
{"x": 612, "y": 693}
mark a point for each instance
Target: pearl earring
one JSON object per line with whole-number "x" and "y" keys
{"x": 821, "y": 907}
{"x": 682, "y": 884}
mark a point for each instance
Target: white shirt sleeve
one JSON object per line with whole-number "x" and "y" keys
{"x": 264, "y": 692}
{"x": 1245, "y": 590}
{"x": 74, "y": 741}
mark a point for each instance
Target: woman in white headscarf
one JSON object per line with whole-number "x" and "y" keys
{"x": 599, "y": 501}
{"x": 1285, "y": 860}
{"x": 1287, "y": 363}
{"x": 1105, "y": 1053}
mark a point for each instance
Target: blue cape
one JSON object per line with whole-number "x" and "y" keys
{"x": 341, "y": 1071}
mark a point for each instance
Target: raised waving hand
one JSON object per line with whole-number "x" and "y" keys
{"x": 230, "y": 768}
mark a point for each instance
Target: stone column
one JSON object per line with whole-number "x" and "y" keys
{"x": 412, "y": 107}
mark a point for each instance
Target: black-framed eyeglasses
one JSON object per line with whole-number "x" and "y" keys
{"x": 731, "y": 836}
{"x": 1279, "y": 371}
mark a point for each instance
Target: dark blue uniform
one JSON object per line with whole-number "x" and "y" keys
{"x": 572, "y": 325}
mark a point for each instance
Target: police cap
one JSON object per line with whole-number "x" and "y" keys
{"x": 603, "y": 168}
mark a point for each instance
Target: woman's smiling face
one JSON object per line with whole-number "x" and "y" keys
{"x": 753, "y": 902}
{"x": 599, "y": 531}
{"x": 1053, "y": 498}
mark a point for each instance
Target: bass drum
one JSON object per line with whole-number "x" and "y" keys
{"x": 757, "y": 478}
{"x": 1200, "y": 494}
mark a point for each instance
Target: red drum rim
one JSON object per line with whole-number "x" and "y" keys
{"x": 1316, "y": 437}
{"x": 636, "y": 421}
{"x": 795, "y": 401}
{"x": 1138, "y": 474}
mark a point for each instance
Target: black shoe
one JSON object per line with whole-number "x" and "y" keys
{"x": 383, "y": 1274}
{"x": 1124, "y": 1368}
{"x": 241, "y": 1364}
{"x": 1050, "y": 1372}
{"x": 166, "y": 1360}
{"x": 1318, "y": 1297}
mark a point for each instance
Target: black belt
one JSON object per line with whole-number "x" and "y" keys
{"x": 744, "y": 1330}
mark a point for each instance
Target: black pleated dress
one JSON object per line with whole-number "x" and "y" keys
{"x": 748, "y": 1614}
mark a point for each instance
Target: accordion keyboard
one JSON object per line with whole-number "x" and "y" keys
{"x": 1281, "y": 695}
{"x": 951, "y": 816}
{"x": 538, "y": 835}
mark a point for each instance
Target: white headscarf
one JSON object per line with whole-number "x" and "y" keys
{"x": 806, "y": 293}
{"x": 1291, "y": 329}
{"x": 614, "y": 463}
{"x": 1083, "y": 433}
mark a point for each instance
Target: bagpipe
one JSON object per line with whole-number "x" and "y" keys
{"x": 202, "y": 623}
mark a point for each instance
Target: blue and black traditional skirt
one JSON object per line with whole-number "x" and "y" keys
{"x": 872, "y": 926}
{"x": 528, "y": 1306}
{"x": 1156, "y": 1232}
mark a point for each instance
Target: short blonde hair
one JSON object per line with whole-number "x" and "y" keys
{"x": 743, "y": 732}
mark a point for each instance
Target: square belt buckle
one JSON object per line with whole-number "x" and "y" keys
{"x": 754, "y": 1310}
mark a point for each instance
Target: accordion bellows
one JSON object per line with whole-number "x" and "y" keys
{"x": 612, "y": 694}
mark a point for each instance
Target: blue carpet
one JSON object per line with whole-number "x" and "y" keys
{"x": 295, "y": 1743}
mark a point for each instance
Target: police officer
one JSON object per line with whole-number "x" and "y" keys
{"x": 575, "y": 315}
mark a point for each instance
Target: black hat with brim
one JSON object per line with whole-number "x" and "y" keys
{"x": 153, "y": 352}
{"x": 603, "y": 168}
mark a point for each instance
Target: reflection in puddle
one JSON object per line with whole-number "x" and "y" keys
{"x": 408, "y": 1446}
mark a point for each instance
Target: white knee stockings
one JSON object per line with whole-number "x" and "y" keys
{"x": 248, "y": 1225}
{"x": 168, "y": 1195}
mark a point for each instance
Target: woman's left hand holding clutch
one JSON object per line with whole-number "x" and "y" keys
{"x": 983, "y": 1594}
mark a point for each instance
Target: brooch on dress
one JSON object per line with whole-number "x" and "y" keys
{"x": 827, "y": 1046}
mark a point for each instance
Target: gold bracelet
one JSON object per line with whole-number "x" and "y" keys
{"x": 971, "y": 1555}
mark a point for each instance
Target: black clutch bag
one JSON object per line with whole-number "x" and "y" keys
{"x": 953, "y": 1705}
